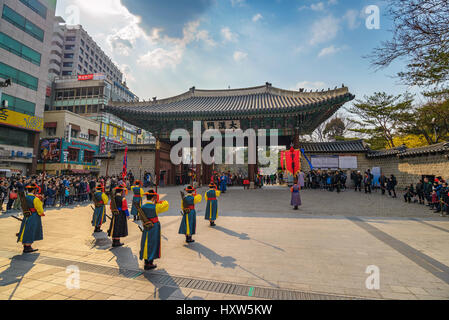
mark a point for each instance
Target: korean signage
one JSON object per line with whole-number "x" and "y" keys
{"x": 325, "y": 162}
{"x": 222, "y": 125}
{"x": 20, "y": 120}
{"x": 50, "y": 150}
{"x": 95, "y": 76}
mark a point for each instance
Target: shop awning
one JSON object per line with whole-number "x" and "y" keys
{"x": 75, "y": 127}
{"x": 93, "y": 133}
{"x": 50, "y": 125}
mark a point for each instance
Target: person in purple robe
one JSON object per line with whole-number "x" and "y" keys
{"x": 296, "y": 197}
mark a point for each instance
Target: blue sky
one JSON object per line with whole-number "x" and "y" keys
{"x": 166, "y": 47}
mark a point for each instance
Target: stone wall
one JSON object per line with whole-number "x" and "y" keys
{"x": 116, "y": 164}
{"x": 407, "y": 169}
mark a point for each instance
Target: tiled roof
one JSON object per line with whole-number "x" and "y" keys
{"x": 386, "y": 153}
{"x": 403, "y": 151}
{"x": 436, "y": 148}
{"x": 331, "y": 147}
{"x": 264, "y": 99}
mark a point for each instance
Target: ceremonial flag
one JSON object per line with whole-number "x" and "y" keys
{"x": 125, "y": 163}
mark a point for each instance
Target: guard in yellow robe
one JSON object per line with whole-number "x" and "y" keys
{"x": 31, "y": 227}
{"x": 138, "y": 193}
{"x": 100, "y": 201}
{"x": 150, "y": 245}
{"x": 188, "y": 222}
{"x": 211, "y": 196}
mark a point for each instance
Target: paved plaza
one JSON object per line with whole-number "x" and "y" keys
{"x": 260, "y": 249}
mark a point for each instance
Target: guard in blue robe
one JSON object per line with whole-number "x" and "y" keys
{"x": 188, "y": 222}
{"x": 211, "y": 196}
{"x": 138, "y": 193}
{"x": 100, "y": 201}
{"x": 150, "y": 244}
{"x": 31, "y": 227}
{"x": 223, "y": 183}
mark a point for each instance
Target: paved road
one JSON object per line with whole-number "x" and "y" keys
{"x": 261, "y": 249}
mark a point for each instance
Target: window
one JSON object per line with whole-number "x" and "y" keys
{"x": 14, "y": 46}
{"x": 67, "y": 73}
{"x": 23, "y": 24}
{"x": 68, "y": 64}
{"x": 80, "y": 68}
{"x": 51, "y": 132}
{"x": 19, "y": 105}
{"x": 70, "y": 47}
{"x": 70, "y": 38}
{"x": 89, "y": 155}
{"x": 36, "y": 6}
{"x": 74, "y": 134}
{"x": 81, "y": 60}
{"x": 82, "y": 51}
{"x": 15, "y": 137}
{"x": 68, "y": 56}
{"x": 82, "y": 43}
{"x": 19, "y": 77}
{"x": 73, "y": 154}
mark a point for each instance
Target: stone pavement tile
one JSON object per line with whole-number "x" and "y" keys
{"x": 364, "y": 293}
{"x": 197, "y": 295}
{"x": 8, "y": 287}
{"x": 126, "y": 293}
{"x": 397, "y": 296}
{"x": 97, "y": 287}
{"x": 56, "y": 297}
{"x": 99, "y": 296}
{"x": 25, "y": 293}
{"x": 83, "y": 294}
{"x": 181, "y": 293}
{"x": 417, "y": 291}
{"x": 52, "y": 288}
{"x": 111, "y": 290}
{"x": 438, "y": 292}
{"x": 123, "y": 283}
{"x": 294, "y": 286}
{"x": 41, "y": 296}
{"x": 399, "y": 289}
{"x": 69, "y": 292}
{"x": 32, "y": 284}
{"x": 427, "y": 297}
{"x": 116, "y": 298}
{"x": 327, "y": 289}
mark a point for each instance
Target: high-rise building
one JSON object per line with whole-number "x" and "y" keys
{"x": 26, "y": 32}
{"x": 81, "y": 54}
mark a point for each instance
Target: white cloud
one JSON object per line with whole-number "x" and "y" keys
{"x": 317, "y": 6}
{"x": 257, "y": 17}
{"x": 238, "y": 3}
{"x": 329, "y": 51}
{"x": 352, "y": 19}
{"x": 324, "y": 30}
{"x": 228, "y": 35}
{"x": 160, "y": 58}
{"x": 240, "y": 56}
{"x": 309, "y": 85}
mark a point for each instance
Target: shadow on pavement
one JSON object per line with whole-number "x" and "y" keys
{"x": 244, "y": 236}
{"x": 17, "y": 269}
{"x": 212, "y": 256}
{"x": 125, "y": 259}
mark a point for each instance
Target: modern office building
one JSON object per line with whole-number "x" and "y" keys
{"x": 26, "y": 32}
{"x": 86, "y": 95}
{"x": 81, "y": 55}
{"x": 68, "y": 143}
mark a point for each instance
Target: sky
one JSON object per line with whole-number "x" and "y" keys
{"x": 166, "y": 47}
